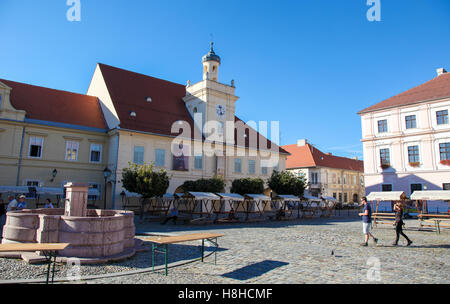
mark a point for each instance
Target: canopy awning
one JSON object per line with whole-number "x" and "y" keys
{"x": 14, "y": 189}
{"x": 51, "y": 191}
{"x": 431, "y": 195}
{"x": 202, "y": 195}
{"x": 287, "y": 197}
{"x": 257, "y": 197}
{"x": 387, "y": 196}
{"x": 311, "y": 198}
{"x": 231, "y": 196}
{"x": 170, "y": 196}
{"x": 329, "y": 198}
{"x": 130, "y": 194}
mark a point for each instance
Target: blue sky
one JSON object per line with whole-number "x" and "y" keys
{"x": 310, "y": 64}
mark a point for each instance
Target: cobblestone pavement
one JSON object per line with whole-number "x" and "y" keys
{"x": 301, "y": 252}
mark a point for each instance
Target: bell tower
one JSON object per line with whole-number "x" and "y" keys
{"x": 211, "y": 63}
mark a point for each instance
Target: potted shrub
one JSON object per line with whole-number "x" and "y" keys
{"x": 414, "y": 164}
{"x": 445, "y": 162}
{"x": 385, "y": 166}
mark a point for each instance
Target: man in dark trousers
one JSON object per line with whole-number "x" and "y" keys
{"x": 173, "y": 216}
{"x": 367, "y": 221}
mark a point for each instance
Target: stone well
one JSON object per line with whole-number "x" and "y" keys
{"x": 98, "y": 234}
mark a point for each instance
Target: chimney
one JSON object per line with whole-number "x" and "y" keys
{"x": 329, "y": 153}
{"x": 355, "y": 158}
{"x": 441, "y": 71}
{"x": 302, "y": 142}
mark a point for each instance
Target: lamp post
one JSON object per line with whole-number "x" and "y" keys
{"x": 106, "y": 174}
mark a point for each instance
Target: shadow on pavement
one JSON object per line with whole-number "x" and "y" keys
{"x": 254, "y": 270}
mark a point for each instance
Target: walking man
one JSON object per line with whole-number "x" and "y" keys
{"x": 173, "y": 216}
{"x": 367, "y": 221}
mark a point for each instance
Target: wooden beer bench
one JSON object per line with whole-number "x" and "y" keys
{"x": 160, "y": 244}
{"x": 383, "y": 218}
{"x": 50, "y": 251}
{"x": 436, "y": 219}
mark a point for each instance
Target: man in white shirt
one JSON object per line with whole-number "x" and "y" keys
{"x": 12, "y": 204}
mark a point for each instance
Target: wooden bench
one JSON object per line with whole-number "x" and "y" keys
{"x": 436, "y": 219}
{"x": 50, "y": 251}
{"x": 162, "y": 243}
{"x": 383, "y": 218}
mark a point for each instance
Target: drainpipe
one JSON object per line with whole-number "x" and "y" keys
{"x": 115, "y": 174}
{"x": 20, "y": 156}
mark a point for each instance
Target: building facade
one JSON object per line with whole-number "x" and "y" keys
{"x": 50, "y": 137}
{"x": 406, "y": 139}
{"x": 326, "y": 175}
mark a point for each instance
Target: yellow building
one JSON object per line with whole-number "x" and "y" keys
{"x": 50, "y": 137}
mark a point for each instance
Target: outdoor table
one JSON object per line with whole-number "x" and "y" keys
{"x": 50, "y": 251}
{"x": 160, "y": 244}
{"x": 436, "y": 218}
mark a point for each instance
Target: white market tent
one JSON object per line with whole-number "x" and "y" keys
{"x": 329, "y": 198}
{"x": 387, "y": 196}
{"x": 431, "y": 195}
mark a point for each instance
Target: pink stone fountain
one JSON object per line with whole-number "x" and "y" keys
{"x": 94, "y": 235}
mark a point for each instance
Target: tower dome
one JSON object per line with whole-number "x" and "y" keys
{"x": 211, "y": 56}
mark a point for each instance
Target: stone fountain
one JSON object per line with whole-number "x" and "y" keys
{"x": 95, "y": 236}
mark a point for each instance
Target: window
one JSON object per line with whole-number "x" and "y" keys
{"x": 72, "y": 150}
{"x": 340, "y": 197}
{"x": 220, "y": 128}
{"x": 339, "y": 180}
{"x": 96, "y": 153}
{"x": 415, "y": 187}
{"x": 411, "y": 122}
{"x": 95, "y": 197}
{"x": 345, "y": 179}
{"x": 138, "y": 155}
{"x": 384, "y": 157}
{"x": 345, "y": 197}
{"x": 36, "y": 144}
{"x": 32, "y": 185}
{"x": 413, "y": 154}
{"x": 446, "y": 186}
{"x": 237, "y": 165}
{"x": 333, "y": 178}
{"x": 334, "y": 195}
{"x": 444, "y": 151}
{"x": 160, "y": 157}
{"x": 251, "y": 166}
{"x": 442, "y": 117}
{"x": 386, "y": 187}
{"x": 354, "y": 179}
{"x": 264, "y": 170}
{"x": 314, "y": 178}
{"x": 198, "y": 162}
{"x": 382, "y": 126}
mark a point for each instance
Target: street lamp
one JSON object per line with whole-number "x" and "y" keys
{"x": 106, "y": 174}
{"x": 54, "y": 172}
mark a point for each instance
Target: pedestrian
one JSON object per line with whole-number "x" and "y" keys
{"x": 398, "y": 208}
{"x": 2, "y": 215}
{"x": 12, "y": 205}
{"x": 21, "y": 204}
{"x": 367, "y": 221}
{"x": 173, "y": 216}
{"x": 48, "y": 204}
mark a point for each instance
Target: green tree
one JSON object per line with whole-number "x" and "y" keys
{"x": 247, "y": 186}
{"x": 286, "y": 182}
{"x": 141, "y": 179}
{"x": 215, "y": 185}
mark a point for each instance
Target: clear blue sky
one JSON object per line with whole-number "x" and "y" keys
{"x": 311, "y": 64}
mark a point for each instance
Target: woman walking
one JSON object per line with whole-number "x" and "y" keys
{"x": 398, "y": 208}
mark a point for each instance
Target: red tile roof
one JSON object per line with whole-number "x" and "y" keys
{"x": 56, "y": 106}
{"x": 436, "y": 88}
{"x": 308, "y": 156}
{"x": 129, "y": 90}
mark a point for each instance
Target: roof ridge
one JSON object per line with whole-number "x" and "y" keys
{"x": 47, "y": 88}
{"x": 140, "y": 74}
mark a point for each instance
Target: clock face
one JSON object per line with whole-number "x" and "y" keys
{"x": 220, "y": 110}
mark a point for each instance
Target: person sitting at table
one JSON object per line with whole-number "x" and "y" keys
{"x": 173, "y": 216}
{"x": 232, "y": 214}
{"x": 48, "y": 204}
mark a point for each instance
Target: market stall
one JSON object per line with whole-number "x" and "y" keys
{"x": 374, "y": 198}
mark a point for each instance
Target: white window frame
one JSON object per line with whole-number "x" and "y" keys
{"x": 71, "y": 142}
{"x": 99, "y": 188}
{"x": 240, "y": 165}
{"x": 163, "y": 159}
{"x": 252, "y": 161}
{"x": 196, "y": 157}
{"x": 42, "y": 147}
{"x": 101, "y": 153}
{"x": 134, "y": 154}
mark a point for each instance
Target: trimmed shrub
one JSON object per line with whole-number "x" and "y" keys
{"x": 286, "y": 182}
{"x": 215, "y": 185}
{"x": 247, "y": 186}
{"x": 141, "y": 179}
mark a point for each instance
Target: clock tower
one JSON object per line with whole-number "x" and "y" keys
{"x": 215, "y": 101}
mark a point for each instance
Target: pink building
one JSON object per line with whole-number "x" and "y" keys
{"x": 406, "y": 139}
